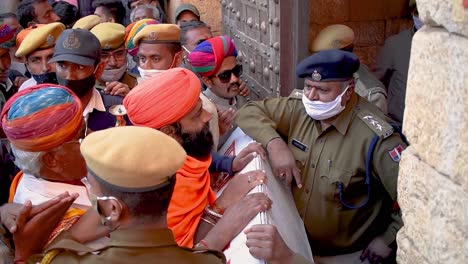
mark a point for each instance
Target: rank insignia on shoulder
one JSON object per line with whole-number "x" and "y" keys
{"x": 378, "y": 125}
{"x": 395, "y": 153}
{"x": 296, "y": 93}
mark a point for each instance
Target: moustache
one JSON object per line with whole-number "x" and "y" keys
{"x": 234, "y": 85}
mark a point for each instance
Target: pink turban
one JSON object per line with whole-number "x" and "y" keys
{"x": 163, "y": 99}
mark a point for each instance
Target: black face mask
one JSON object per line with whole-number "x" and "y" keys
{"x": 198, "y": 145}
{"x": 49, "y": 77}
{"x": 79, "y": 87}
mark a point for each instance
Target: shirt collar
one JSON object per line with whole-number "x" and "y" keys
{"x": 95, "y": 103}
{"x": 9, "y": 84}
{"x": 341, "y": 123}
{"x": 142, "y": 237}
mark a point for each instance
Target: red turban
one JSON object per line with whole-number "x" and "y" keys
{"x": 42, "y": 117}
{"x": 163, "y": 99}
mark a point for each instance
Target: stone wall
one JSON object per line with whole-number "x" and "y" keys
{"x": 433, "y": 182}
{"x": 210, "y": 12}
{"x": 373, "y": 21}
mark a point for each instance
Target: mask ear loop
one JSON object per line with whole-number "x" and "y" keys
{"x": 173, "y": 59}
{"x": 109, "y": 218}
{"x": 188, "y": 52}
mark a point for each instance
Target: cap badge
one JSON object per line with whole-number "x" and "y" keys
{"x": 107, "y": 46}
{"x": 71, "y": 42}
{"x": 152, "y": 36}
{"x": 50, "y": 40}
{"x": 316, "y": 76}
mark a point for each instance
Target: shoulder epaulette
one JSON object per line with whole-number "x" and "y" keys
{"x": 380, "y": 127}
{"x": 296, "y": 93}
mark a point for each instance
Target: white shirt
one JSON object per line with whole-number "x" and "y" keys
{"x": 95, "y": 103}
{"x": 38, "y": 191}
{"x": 28, "y": 83}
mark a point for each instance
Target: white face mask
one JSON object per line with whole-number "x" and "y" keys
{"x": 146, "y": 74}
{"x": 114, "y": 74}
{"x": 320, "y": 111}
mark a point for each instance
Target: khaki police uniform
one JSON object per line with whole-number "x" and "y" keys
{"x": 343, "y": 208}
{"x": 119, "y": 165}
{"x": 111, "y": 36}
{"x": 328, "y": 157}
{"x": 133, "y": 246}
{"x": 370, "y": 88}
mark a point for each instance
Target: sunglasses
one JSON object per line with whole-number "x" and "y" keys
{"x": 225, "y": 76}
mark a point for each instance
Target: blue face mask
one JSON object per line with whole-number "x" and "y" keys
{"x": 417, "y": 22}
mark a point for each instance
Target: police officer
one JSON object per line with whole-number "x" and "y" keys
{"x": 342, "y": 153}
{"x": 37, "y": 48}
{"x": 131, "y": 193}
{"x": 366, "y": 84}
{"x": 159, "y": 49}
{"x": 115, "y": 79}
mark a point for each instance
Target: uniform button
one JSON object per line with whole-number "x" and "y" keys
{"x": 312, "y": 166}
{"x": 307, "y": 191}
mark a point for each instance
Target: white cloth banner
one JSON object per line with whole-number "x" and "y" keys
{"x": 283, "y": 213}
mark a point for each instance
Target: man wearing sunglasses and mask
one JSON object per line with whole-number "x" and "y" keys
{"x": 215, "y": 60}
{"x": 78, "y": 66}
{"x": 115, "y": 79}
{"x": 36, "y": 46}
{"x": 342, "y": 153}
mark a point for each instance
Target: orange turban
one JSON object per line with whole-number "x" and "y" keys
{"x": 163, "y": 99}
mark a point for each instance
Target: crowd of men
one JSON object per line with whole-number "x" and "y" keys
{"x": 76, "y": 186}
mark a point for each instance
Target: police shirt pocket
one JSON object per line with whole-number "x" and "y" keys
{"x": 335, "y": 179}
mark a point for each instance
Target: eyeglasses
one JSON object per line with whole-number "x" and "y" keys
{"x": 225, "y": 76}
{"x": 119, "y": 55}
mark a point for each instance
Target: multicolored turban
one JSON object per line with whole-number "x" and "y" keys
{"x": 163, "y": 99}
{"x": 42, "y": 117}
{"x": 137, "y": 26}
{"x": 6, "y": 36}
{"x": 207, "y": 57}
